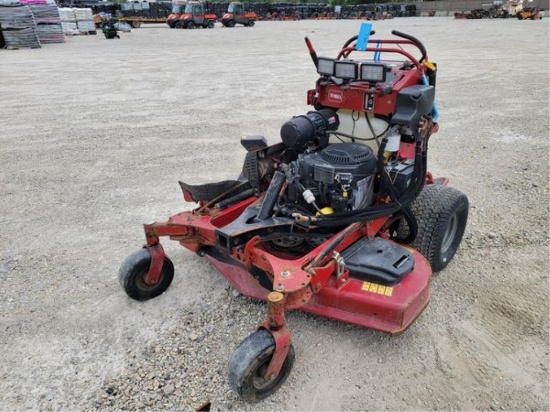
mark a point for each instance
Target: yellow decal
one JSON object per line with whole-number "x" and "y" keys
{"x": 378, "y": 289}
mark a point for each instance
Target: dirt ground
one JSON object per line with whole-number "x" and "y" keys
{"x": 96, "y": 133}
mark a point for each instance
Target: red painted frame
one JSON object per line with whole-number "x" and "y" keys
{"x": 309, "y": 283}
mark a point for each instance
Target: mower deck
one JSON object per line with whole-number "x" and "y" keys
{"x": 307, "y": 280}
{"x": 389, "y": 309}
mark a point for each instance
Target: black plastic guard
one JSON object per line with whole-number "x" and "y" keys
{"x": 209, "y": 191}
{"x": 412, "y": 103}
{"x": 378, "y": 260}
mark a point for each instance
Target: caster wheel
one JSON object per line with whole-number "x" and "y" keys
{"x": 133, "y": 271}
{"x": 249, "y": 363}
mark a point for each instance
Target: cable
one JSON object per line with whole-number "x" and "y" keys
{"x": 349, "y": 136}
{"x": 363, "y": 139}
{"x": 354, "y": 120}
{"x": 372, "y": 129}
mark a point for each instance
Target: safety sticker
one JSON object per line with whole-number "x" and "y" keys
{"x": 375, "y": 288}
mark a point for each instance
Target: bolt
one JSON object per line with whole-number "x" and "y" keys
{"x": 285, "y": 274}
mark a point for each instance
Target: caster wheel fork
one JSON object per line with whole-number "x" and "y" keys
{"x": 263, "y": 361}
{"x": 146, "y": 273}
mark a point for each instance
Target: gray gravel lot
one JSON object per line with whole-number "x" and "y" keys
{"x": 95, "y": 134}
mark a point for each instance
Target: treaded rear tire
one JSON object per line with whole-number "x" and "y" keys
{"x": 441, "y": 213}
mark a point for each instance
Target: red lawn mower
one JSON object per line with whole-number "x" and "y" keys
{"x": 340, "y": 219}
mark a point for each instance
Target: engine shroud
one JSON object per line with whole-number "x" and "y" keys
{"x": 336, "y": 163}
{"x": 339, "y": 168}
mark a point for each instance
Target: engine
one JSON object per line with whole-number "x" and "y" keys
{"x": 337, "y": 178}
{"x": 327, "y": 178}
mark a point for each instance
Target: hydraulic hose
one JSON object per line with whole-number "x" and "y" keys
{"x": 377, "y": 211}
{"x": 412, "y": 224}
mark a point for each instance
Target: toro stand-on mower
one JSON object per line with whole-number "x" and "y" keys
{"x": 340, "y": 219}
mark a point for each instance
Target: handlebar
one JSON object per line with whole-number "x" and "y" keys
{"x": 417, "y": 42}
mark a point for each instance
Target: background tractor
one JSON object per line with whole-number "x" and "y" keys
{"x": 174, "y": 17}
{"x": 195, "y": 15}
{"x": 236, "y": 14}
{"x": 529, "y": 13}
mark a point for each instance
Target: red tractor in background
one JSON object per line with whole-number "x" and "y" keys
{"x": 236, "y": 14}
{"x": 195, "y": 15}
{"x": 529, "y": 13}
{"x": 174, "y": 17}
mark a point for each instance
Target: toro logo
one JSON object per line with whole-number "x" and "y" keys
{"x": 336, "y": 95}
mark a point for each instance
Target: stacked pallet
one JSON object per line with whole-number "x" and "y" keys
{"x": 18, "y": 27}
{"x": 48, "y": 23}
{"x": 84, "y": 21}
{"x": 68, "y": 21}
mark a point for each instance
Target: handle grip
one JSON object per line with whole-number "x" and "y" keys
{"x": 417, "y": 42}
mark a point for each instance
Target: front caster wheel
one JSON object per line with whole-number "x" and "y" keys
{"x": 249, "y": 363}
{"x": 133, "y": 271}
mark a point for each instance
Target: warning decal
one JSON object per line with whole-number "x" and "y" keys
{"x": 379, "y": 289}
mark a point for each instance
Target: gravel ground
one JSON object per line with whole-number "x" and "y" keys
{"x": 95, "y": 135}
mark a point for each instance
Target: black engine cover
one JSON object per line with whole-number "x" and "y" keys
{"x": 337, "y": 161}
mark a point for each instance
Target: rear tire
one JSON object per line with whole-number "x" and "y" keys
{"x": 231, "y": 23}
{"x": 251, "y": 23}
{"x": 190, "y": 25}
{"x": 441, "y": 213}
{"x": 211, "y": 24}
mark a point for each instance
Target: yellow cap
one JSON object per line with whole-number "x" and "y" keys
{"x": 327, "y": 210}
{"x": 429, "y": 65}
